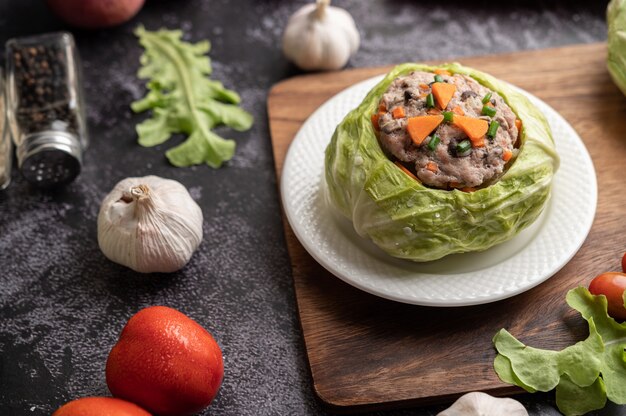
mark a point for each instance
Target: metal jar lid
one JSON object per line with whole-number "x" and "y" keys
{"x": 50, "y": 158}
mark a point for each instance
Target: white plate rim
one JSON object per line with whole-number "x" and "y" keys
{"x": 583, "y": 227}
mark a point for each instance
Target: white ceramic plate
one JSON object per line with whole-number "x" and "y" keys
{"x": 456, "y": 280}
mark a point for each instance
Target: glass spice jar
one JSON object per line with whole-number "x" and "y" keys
{"x": 6, "y": 147}
{"x": 46, "y": 107}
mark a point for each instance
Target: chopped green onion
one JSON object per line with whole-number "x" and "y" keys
{"x": 489, "y": 111}
{"x": 438, "y": 78}
{"x": 463, "y": 148}
{"x": 434, "y": 142}
{"x": 430, "y": 100}
{"x": 448, "y": 116}
{"x": 493, "y": 129}
{"x": 486, "y": 98}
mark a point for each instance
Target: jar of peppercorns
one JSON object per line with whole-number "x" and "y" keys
{"x": 46, "y": 107}
{"x": 6, "y": 148}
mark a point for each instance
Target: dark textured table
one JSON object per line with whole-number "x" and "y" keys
{"x": 63, "y": 305}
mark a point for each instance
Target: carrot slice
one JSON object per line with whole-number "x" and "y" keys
{"x": 439, "y": 71}
{"x": 375, "y": 121}
{"x": 405, "y": 170}
{"x": 433, "y": 111}
{"x": 518, "y": 124}
{"x": 421, "y": 126}
{"x": 382, "y": 107}
{"x": 458, "y": 110}
{"x": 398, "y": 112}
{"x": 443, "y": 92}
{"x": 475, "y": 128}
{"x": 432, "y": 166}
{"x": 478, "y": 142}
{"x": 507, "y": 155}
{"x": 423, "y": 86}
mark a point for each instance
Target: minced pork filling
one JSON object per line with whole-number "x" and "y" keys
{"x": 448, "y": 129}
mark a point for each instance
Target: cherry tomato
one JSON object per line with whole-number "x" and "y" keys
{"x": 624, "y": 263}
{"x": 611, "y": 285}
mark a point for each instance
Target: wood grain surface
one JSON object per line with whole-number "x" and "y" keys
{"x": 368, "y": 353}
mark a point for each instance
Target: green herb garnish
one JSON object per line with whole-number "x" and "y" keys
{"x": 432, "y": 144}
{"x": 438, "y": 78}
{"x": 488, "y": 111}
{"x": 486, "y": 98}
{"x": 493, "y": 129}
{"x": 448, "y": 116}
{"x": 430, "y": 101}
{"x": 463, "y": 148}
{"x": 585, "y": 375}
{"x": 185, "y": 100}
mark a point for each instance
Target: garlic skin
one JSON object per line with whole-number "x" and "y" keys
{"x": 149, "y": 224}
{"x": 320, "y": 37}
{"x": 482, "y": 404}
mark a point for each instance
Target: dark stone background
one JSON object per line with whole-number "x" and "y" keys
{"x": 63, "y": 305}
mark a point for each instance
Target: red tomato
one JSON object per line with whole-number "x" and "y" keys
{"x": 611, "y": 285}
{"x": 165, "y": 362}
{"x": 100, "y": 406}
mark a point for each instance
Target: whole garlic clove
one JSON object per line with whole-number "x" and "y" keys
{"x": 320, "y": 37}
{"x": 482, "y": 404}
{"x": 149, "y": 224}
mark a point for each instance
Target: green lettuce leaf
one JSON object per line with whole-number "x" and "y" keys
{"x": 541, "y": 370}
{"x": 594, "y": 309}
{"x": 184, "y": 100}
{"x": 573, "y": 400}
{"x": 504, "y": 369}
{"x": 383, "y": 202}
{"x": 585, "y": 375}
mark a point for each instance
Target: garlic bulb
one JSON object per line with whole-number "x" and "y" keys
{"x": 149, "y": 224}
{"x": 319, "y": 36}
{"x": 482, "y": 404}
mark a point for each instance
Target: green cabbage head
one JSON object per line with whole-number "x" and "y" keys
{"x": 410, "y": 221}
{"x": 616, "y": 61}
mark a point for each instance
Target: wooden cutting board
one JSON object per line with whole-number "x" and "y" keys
{"x": 366, "y": 352}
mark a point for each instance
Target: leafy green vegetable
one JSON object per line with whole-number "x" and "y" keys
{"x": 572, "y": 399}
{"x": 584, "y": 374}
{"x": 383, "y": 202}
{"x": 616, "y": 59}
{"x": 185, "y": 100}
{"x": 594, "y": 309}
{"x": 541, "y": 370}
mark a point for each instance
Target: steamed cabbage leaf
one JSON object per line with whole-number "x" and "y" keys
{"x": 616, "y": 58}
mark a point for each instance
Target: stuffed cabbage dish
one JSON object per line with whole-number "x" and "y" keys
{"x": 440, "y": 160}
